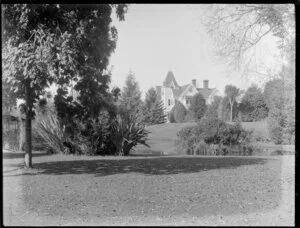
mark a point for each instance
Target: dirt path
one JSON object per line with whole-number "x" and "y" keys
{"x": 17, "y": 213}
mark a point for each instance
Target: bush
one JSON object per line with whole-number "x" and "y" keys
{"x": 178, "y": 113}
{"x": 10, "y": 139}
{"x": 212, "y": 137}
{"x": 189, "y": 117}
{"x": 127, "y": 134}
{"x": 49, "y": 129}
{"x": 92, "y": 136}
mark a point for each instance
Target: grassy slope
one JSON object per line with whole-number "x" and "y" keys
{"x": 162, "y": 138}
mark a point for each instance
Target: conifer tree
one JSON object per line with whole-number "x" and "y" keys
{"x": 153, "y": 109}
{"x": 131, "y": 103}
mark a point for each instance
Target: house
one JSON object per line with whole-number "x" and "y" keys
{"x": 170, "y": 91}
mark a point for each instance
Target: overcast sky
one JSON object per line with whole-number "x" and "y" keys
{"x": 156, "y": 38}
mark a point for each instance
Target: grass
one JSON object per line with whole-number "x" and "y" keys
{"x": 83, "y": 190}
{"x": 79, "y": 189}
{"x": 162, "y": 137}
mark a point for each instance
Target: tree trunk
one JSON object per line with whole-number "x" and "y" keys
{"x": 231, "y": 107}
{"x": 28, "y": 144}
{"x": 21, "y": 134}
{"x": 28, "y": 130}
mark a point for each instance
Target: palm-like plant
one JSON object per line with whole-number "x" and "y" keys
{"x": 49, "y": 129}
{"x": 126, "y": 134}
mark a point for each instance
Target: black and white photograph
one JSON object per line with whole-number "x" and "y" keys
{"x": 148, "y": 114}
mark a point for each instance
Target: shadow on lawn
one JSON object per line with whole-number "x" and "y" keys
{"x": 147, "y": 166}
{"x": 15, "y": 155}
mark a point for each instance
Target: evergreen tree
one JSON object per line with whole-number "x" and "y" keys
{"x": 153, "y": 109}
{"x": 198, "y": 106}
{"x": 131, "y": 103}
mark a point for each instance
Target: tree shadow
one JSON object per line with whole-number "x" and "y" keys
{"x": 147, "y": 166}
{"x": 15, "y": 155}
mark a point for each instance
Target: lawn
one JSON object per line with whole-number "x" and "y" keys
{"x": 70, "y": 190}
{"x": 162, "y": 138}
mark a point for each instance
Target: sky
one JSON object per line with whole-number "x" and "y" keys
{"x": 156, "y": 38}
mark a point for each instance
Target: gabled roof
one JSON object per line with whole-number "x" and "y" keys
{"x": 205, "y": 92}
{"x": 180, "y": 90}
{"x": 170, "y": 78}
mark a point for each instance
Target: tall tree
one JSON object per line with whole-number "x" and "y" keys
{"x": 198, "y": 106}
{"x": 131, "y": 102}
{"x": 213, "y": 109}
{"x": 53, "y": 43}
{"x": 231, "y": 93}
{"x": 153, "y": 108}
{"x": 237, "y": 29}
{"x": 253, "y": 105}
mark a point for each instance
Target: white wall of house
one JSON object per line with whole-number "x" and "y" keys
{"x": 210, "y": 99}
{"x": 168, "y": 98}
{"x": 185, "y": 97}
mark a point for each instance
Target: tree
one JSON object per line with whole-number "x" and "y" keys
{"x": 177, "y": 113}
{"x": 253, "y": 105}
{"x": 238, "y": 28}
{"x": 153, "y": 108}
{"x": 53, "y": 43}
{"x": 231, "y": 93}
{"x": 212, "y": 110}
{"x": 198, "y": 106}
{"x": 131, "y": 102}
{"x": 280, "y": 98}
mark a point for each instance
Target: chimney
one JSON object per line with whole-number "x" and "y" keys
{"x": 194, "y": 82}
{"x": 205, "y": 84}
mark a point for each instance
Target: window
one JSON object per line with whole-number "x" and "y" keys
{"x": 169, "y": 102}
{"x": 187, "y": 101}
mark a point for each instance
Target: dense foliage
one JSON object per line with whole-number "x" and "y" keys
{"x": 281, "y": 104}
{"x": 177, "y": 113}
{"x": 58, "y": 43}
{"x": 127, "y": 134}
{"x": 198, "y": 106}
{"x": 213, "y": 109}
{"x": 212, "y": 134}
{"x": 253, "y": 106}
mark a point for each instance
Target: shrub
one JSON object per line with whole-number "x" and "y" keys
{"x": 51, "y": 132}
{"x": 212, "y": 137}
{"x": 10, "y": 139}
{"x": 127, "y": 134}
{"x": 189, "y": 117}
{"x": 178, "y": 113}
{"x": 92, "y": 136}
